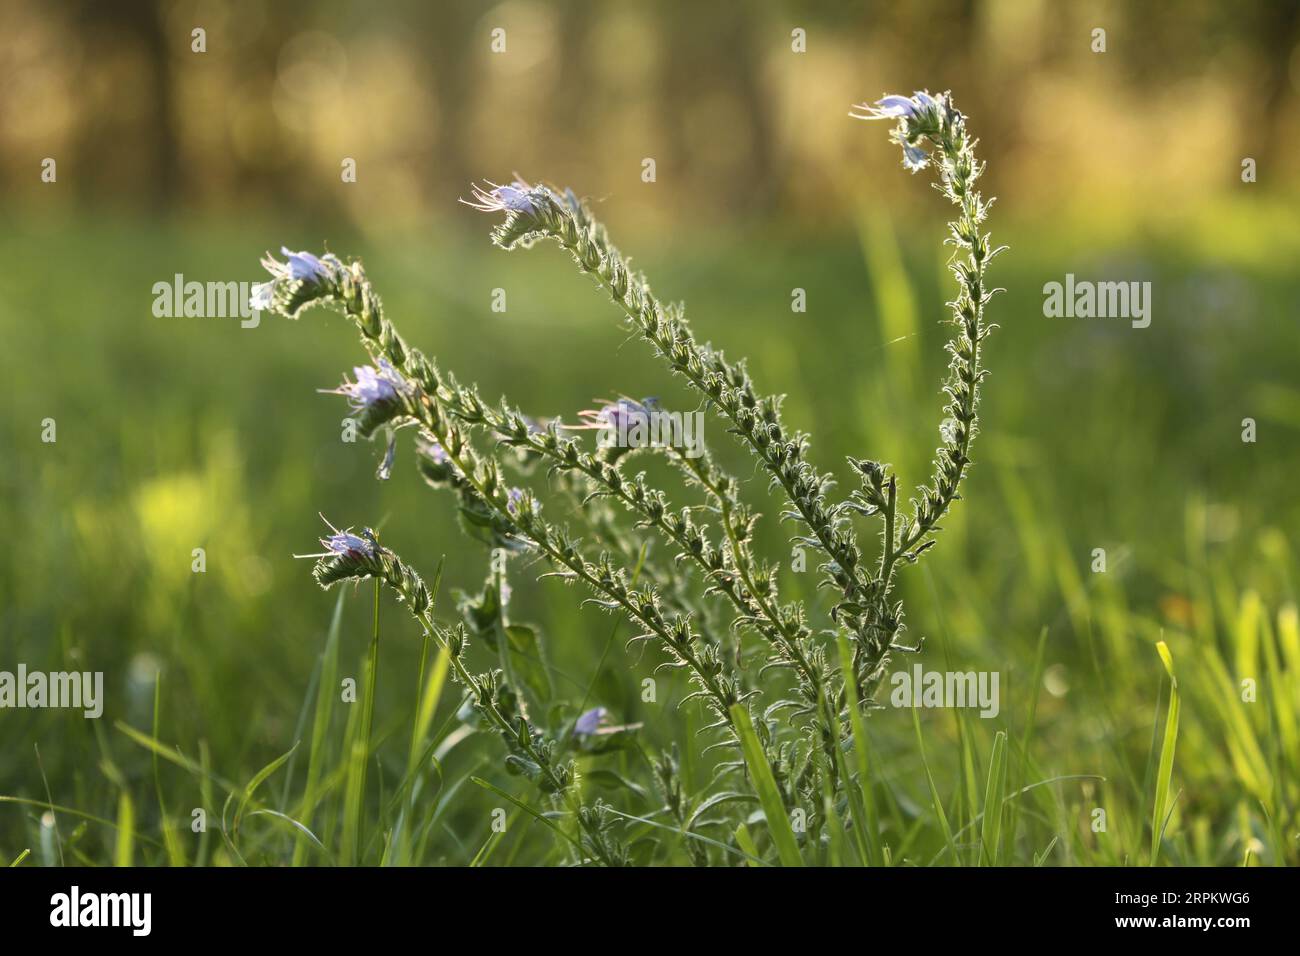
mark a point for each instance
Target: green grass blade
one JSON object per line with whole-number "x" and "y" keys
{"x": 834, "y": 825}
{"x": 934, "y": 789}
{"x": 991, "y": 825}
{"x": 1165, "y": 771}
{"x": 746, "y": 844}
{"x": 486, "y": 850}
{"x": 535, "y": 814}
{"x": 746, "y": 852}
{"x": 896, "y": 306}
{"x": 208, "y": 798}
{"x": 968, "y": 793}
{"x": 844, "y": 773}
{"x": 359, "y": 753}
{"x": 1041, "y": 858}
{"x": 401, "y": 849}
{"x": 862, "y": 800}
{"x": 1031, "y": 719}
{"x": 124, "y": 850}
{"x": 326, "y": 691}
{"x": 295, "y": 824}
{"x": 175, "y": 853}
{"x": 430, "y": 696}
{"x": 428, "y": 688}
{"x": 258, "y": 779}
{"x": 1287, "y": 733}
{"x": 764, "y": 784}
{"x": 173, "y": 754}
{"x": 72, "y": 811}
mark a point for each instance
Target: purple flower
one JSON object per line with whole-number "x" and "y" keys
{"x": 305, "y": 267}
{"x": 895, "y": 106}
{"x": 915, "y": 158}
{"x": 345, "y": 544}
{"x": 589, "y": 723}
{"x": 374, "y": 386}
{"x": 925, "y": 101}
{"x": 916, "y": 117}
{"x": 514, "y": 500}
{"x": 518, "y": 196}
{"x": 349, "y": 545}
{"x": 619, "y": 416}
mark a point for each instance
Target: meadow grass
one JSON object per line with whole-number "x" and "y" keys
{"x": 1104, "y": 438}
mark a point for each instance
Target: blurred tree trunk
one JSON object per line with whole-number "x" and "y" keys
{"x": 575, "y": 103}
{"x": 713, "y": 49}
{"x": 140, "y": 26}
{"x": 448, "y": 27}
{"x": 1278, "y": 36}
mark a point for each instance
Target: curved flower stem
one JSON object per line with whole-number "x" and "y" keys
{"x": 428, "y": 407}
{"x": 922, "y": 120}
{"x": 958, "y": 170}
{"x": 725, "y": 386}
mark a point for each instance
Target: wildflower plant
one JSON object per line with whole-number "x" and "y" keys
{"x": 799, "y": 752}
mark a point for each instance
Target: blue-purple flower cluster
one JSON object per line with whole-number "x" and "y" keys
{"x": 517, "y": 196}
{"x": 376, "y": 386}
{"x": 301, "y": 270}
{"x": 345, "y": 544}
{"x": 915, "y": 114}
{"x": 620, "y": 416}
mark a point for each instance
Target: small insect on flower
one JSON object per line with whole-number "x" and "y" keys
{"x": 518, "y": 196}
{"x": 345, "y": 544}
{"x": 375, "y": 386}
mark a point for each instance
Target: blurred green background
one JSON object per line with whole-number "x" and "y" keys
{"x": 177, "y": 433}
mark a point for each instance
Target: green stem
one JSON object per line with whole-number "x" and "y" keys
{"x": 429, "y": 409}
{"x": 524, "y": 739}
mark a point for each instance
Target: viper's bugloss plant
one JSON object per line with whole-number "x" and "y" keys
{"x": 718, "y": 593}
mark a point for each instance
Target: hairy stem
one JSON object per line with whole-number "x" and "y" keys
{"x": 429, "y": 407}
{"x": 724, "y": 385}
